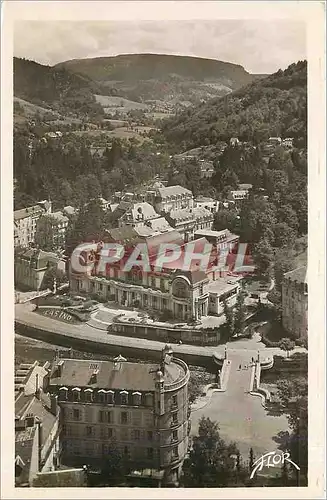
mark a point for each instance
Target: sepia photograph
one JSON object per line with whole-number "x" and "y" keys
{"x": 161, "y": 274}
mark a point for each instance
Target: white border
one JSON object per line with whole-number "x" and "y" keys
{"x": 313, "y": 14}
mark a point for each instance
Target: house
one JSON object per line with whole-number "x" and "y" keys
{"x": 295, "y": 302}
{"x": 32, "y": 267}
{"x": 288, "y": 142}
{"x": 37, "y": 425}
{"x": 134, "y": 214}
{"x": 274, "y": 141}
{"x": 139, "y": 408}
{"x": 55, "y": 224}
{"x": 25, "y": 221}
{"x": 173, "y": 198}
{"x": 206, "y": 169}
{"x": 207, "y": 203}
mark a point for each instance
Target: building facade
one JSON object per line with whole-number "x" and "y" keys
{"x": 173, "y": 198}
{"x": 295, "y": 302}
{"x": 32, "y": 266}
{"x": 25, "y": 221}
{"x": 140, "y": 409}
{"x": 37, "y": 425}
{"x": 186, "y": 294}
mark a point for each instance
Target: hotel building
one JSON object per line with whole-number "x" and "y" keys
{"x": 140, "y": 409}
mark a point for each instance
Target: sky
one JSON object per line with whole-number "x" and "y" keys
{"x": 259, "y": 46}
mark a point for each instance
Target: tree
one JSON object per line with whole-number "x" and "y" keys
{"x": 45, "y": 233}
{"x": 293, "y": 397}
{"x": 263, "y": 257}
{"x": 287, "y": 345}
{"x": 115, "y": 467}
{"x": 284, "y": 235}
{"x": 212, "y": 462}
{"x": 229, "y": 324}
{"x": 240, "y": 313}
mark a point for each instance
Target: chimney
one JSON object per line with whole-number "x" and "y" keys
{"x": 118, "y": 362}
{"x": 54, "y": 404}
{"x": 60, "y": 366}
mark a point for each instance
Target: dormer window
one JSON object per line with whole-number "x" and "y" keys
{"x": 63, "y": 391}
{"x": 101, "y": 396}
{"x": 124, "y": 397}
{"x": 136, "y": 398}
{"x": 110, "y": 397}
{"x": 76, "y": 393}
{"x": 88, "y": 395}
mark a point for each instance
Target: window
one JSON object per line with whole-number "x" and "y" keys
{"x": 76, "y": 395}
{"x": 88, "y": 396}
{"x": 126, "y": 451}
{"x": 105, "y": 416}
{"x": 110, "y": 397}
{"x": 136, "y": 398}
{"x": 149, "y": 399}
{"x": 101, "y": 397}
{"x": 124, "y": 397}
{"x": 175, "y": 452}
{"x": 137, "y": 435}
{"x": 175, "y": 436}
{"x": 150, "y": 453}
{"x": 89, "y": 431}
{"x": 174, "y": 402}
{"x": 76, "y": 414}
{"x": 150, "y": 435}
{"x": 124, "y": 417}
{"x": 110, "y": 433}
{"x": 153, "y": 282}
{"x": 175, "y": 420}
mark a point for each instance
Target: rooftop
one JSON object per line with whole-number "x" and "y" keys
{"x": 222, "y": 285}
{"x": 299, "y": 275}
{"x": 173, "y": 191}
{"x": 27, "y": 212}
{"x": 129, "y": 376}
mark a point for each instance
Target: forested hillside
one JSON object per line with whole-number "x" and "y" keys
{"x": 58, "y": 89}
{"x": 272, "y": 106}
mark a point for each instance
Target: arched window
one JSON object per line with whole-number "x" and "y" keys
{"x": 180, "y": 288}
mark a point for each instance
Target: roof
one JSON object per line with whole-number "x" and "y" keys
{"x": 245, "y": 186}
{"x": 201, "y": 199}
{"x": 200, "y": 212}
{"x": 182, "y": 214}
{"x": 27, "y": 212}
{"x": 69, "y": 210}
{"x": 59, "y": 216}
{"x": 130, "y": 376}
{"x": 173, "y": 191}
{"x": 299, "y": 275}
{"x": 222, "y": 285}
{"x": 209, "y": 232}
{"x": 61, "y": 478}
{"x": 42, "y": 258}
